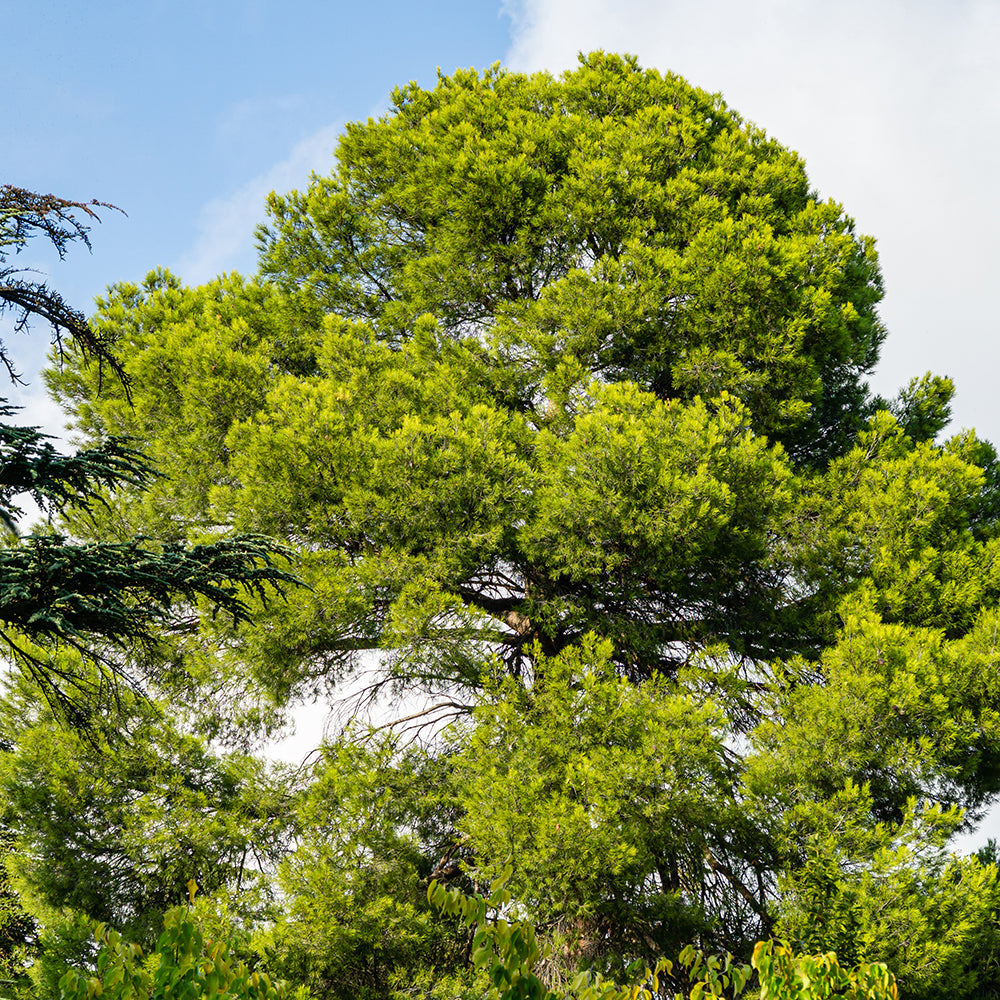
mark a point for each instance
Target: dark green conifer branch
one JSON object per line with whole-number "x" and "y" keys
{"x": 105, "y": 600}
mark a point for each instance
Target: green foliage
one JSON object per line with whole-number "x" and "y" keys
{"x": 901, "y": 522}
{"x": 786, "y": 975}
{"x": 56, "y": 592}
{"x": 110, "y": 821}
{"x": 18, "y": 930}
{"x": 184, "y": 966}
{"x": 508, "y": 953}
{"x": 903, "y": 711}
{"x": 204, "y": 360}
{"x": 605, "y": 803}
{"x": 923, "y": 408}
{"x": 370, "y": 828}
{"x": 896, "y": 896}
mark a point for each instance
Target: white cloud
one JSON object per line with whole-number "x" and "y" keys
{"x": 896, "y": 109}
{"x": 226, "y": 224}
{"x": 38, "y": 409}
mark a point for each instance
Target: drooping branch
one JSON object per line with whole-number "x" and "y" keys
{"x": 29, "y": 463}
{"x": 54, "y": 591}
{"x": 23, "y": 215}
{"x": 107, "y": 601}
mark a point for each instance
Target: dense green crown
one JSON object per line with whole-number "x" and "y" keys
{"x": 540, "y": 357}
{"x": 615, "y": 223}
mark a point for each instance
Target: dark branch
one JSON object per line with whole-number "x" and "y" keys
{"x": 23, "y": 215}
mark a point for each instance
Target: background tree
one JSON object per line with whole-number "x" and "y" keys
{"x": 109, "y": 823}
{"x": 373, "y": 824}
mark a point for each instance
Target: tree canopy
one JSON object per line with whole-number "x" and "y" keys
{"x": 556, "y": 388}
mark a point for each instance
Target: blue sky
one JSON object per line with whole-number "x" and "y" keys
{"x": 186, "y": 114}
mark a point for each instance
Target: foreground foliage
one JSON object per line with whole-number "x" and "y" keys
{"x": 184, "y": 966}
{"x": 187, "y": 965}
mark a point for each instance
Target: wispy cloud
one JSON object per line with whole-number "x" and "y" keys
{"x": 226, "y": 224}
